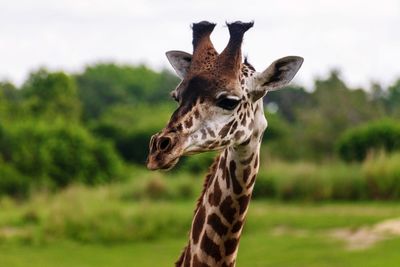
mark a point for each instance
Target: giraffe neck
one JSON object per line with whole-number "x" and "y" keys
{"x": 222, "y": 207}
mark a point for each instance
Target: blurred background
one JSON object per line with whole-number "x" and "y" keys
{"x": 84, "y": 84}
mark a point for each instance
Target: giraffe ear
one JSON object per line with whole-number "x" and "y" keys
{"x": 180, "y": 61}
{"x": 277, "y": 75}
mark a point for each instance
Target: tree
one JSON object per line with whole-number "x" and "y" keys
{"x": 9, "y": 101}
{"x": 334, "y": 108}
{"x": 106, "y": 84}
{"x": 393, "y": 99}
{"x": 52, "y": 94}
{"x": 289, "y": 100}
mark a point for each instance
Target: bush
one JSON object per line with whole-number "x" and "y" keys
{"x": 12, "y": 182}
{"x": 155, "y": 186}
{"x": 59, "y": 153}
{"x": 196, "y": 164}
{"x": 382, "y": 174}
{"x": 306, "y": 181}
{"x": 133, "y": 146}
{"x": 131, "y": 127}
{"x": 357, "y": 142}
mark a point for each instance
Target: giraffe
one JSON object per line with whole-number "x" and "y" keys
{"x": 220, "y": 108}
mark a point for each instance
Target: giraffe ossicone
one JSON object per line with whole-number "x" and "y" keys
{"x": 220, "y": 108}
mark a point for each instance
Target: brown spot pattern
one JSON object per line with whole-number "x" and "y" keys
{"x": 236, "y": 227}
{"x": 253, "y": 179}
{"x": 227, "y": 210}
{"x": 237, "y": 188}
{"x": 215, "y": 197}
{"x": 243, "y": 122}
{"x": 225, "y": 129}
{"x": 217, "y": 224}
{"x": 189, "y": 122}
{"x": 222, "y": 163}
{"x": 239, "y": 134}
{"x": 227, "y": 177}
{"x": 243, "y": 203}
{"x": 203, "y": 134}
{"x": 246, "y": 173}
{"x": 210, "y": 247}
{"x": 233, "y": 128}
{"x": 198, "y": 224}
{"x": 230, "y": 246}
{"x": 198, "y": 263}
{"x": 210, "y": 132}
{"x": 256, "y": 162}
{"x": 196, "y": 113}
{"x": 251, "y": 125}
{"x": 187, "y": 257}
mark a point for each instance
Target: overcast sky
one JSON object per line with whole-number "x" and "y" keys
{"x": 359, "y": 37}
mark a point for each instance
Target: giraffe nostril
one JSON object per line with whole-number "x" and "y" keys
{"x": 164, "y": 143}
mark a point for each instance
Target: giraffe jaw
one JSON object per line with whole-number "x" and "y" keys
{"x": 170, "y": 165}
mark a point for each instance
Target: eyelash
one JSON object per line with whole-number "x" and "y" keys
{"x": 228, "y": 103}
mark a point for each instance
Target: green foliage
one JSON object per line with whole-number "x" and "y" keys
{"x": 51, "y": 95}
{"x": 47, "y": 218}
{"x": 106, "y": 84}
{"x": 9, "y": 91}
{"x": 392, "y": 100}
{"x": 42, "y": 136}
{"x": 8, "y": 96}
{"x": 278, "y": 139}
{"x": 289, "y": 100}
{"x": 275, "y": 234}
{"x": 12, "y": 182}
{"x": 131, "y": 127}
{"x": 334, "y": 109}
{"x": 178, "y": 186}
{"x": 58, "y": 153}
{"x": 356, "y": 143}
{"x": 196, "y": 164}
{"x": 376, "y": 178}
{"x": 306, "y": 181}
{"x": 382, "y": 173}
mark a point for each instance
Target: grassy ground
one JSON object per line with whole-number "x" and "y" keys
{"x": 276, "y": 234}
{"x": 256, "y": 250}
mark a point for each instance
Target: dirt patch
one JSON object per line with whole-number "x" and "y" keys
{"x": 285, "y": 230}
{"x": 10, "y": 232}
{"x": 365, "y": 237}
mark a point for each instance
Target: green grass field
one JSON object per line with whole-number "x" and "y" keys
{"x": 276, "y": 234}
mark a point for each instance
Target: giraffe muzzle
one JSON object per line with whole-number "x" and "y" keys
{"x": 164, "y": 151}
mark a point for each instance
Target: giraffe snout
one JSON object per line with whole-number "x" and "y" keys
{"x": 164, "y": 151}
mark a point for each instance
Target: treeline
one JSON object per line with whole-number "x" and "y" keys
{"x": 58, "y": 128}
{"x": 311, "y": 123}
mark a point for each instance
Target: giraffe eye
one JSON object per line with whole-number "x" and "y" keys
{"x": 228, "y": 103}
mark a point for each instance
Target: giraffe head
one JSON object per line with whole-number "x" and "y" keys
{"x": 219, "y": 97}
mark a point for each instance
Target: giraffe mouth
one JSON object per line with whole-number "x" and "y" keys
{"x": 164, "y": 166}
{"x": 170, "y": 165}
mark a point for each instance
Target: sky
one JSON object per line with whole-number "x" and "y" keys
{"x": 361, "y": 38}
